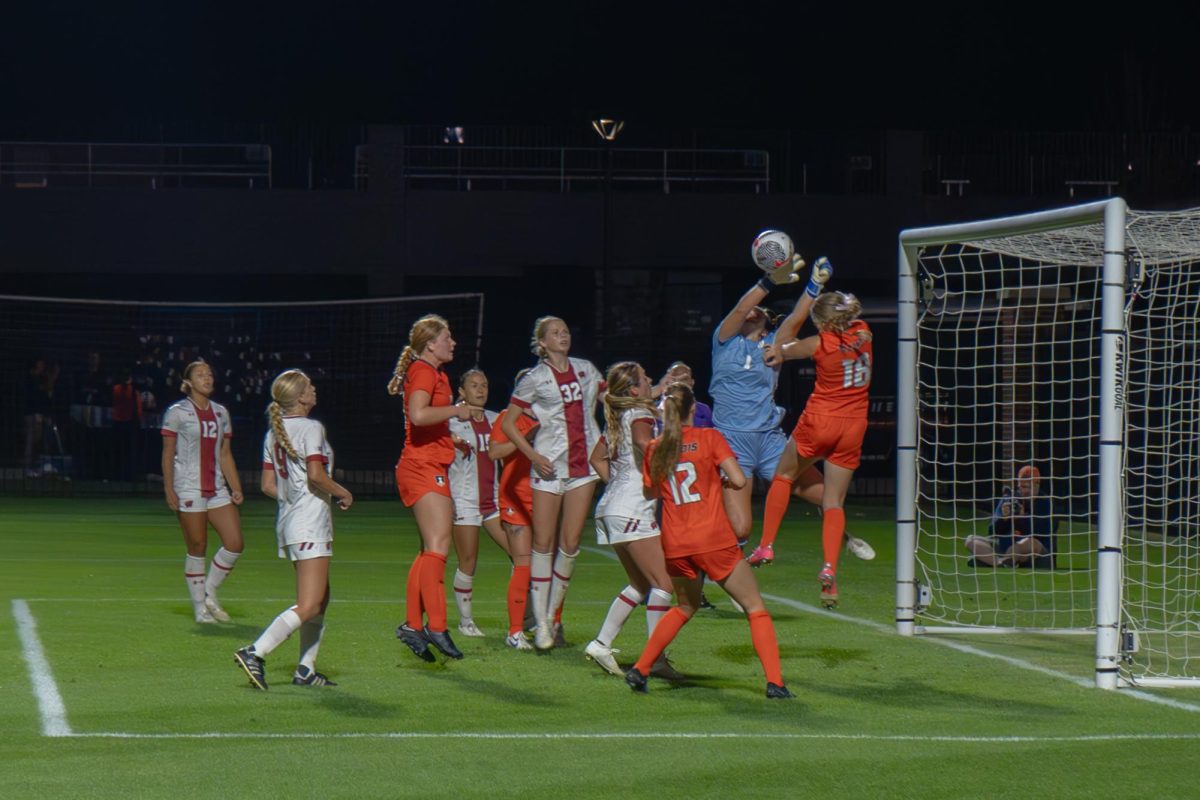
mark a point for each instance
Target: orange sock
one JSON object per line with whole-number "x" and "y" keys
{"x": 777, "y": 504}
{"x": 833, "y": 528}
{"x": 762, "y": 634}
{"x": 666, "y": 630}
{"x": 433, "y": 590}
{"x": 412, "y": 594}
{"x": 518, "y": 591}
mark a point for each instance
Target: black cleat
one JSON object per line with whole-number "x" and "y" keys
{"x": 309, "y": 677}
{"x": 777, "y": 692}
{"x": 416, "y": 642}
{"x": 704, "y": 603}
{"x": 254, "y": 667}
{"x": 442, "y": 641}
{"x": 636, "y": 680}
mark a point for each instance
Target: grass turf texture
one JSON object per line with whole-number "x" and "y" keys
{"x": 876, "y": 715}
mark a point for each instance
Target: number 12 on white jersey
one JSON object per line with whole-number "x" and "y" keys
{"x": 681, "y": 490}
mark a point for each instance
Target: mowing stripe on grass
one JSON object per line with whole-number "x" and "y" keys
{"x": 962, "y": 648}
{"x": 851, "y": 737}
{"x": 50, "y": 704}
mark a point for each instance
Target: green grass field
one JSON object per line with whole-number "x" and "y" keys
{"x": 156, "y": 707}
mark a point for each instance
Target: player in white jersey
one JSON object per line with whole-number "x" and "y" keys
{"x": 625, "y": 518}
{"x": 201, "y": 484}
{"x": 297, "y": 462}
{"x": 474, "y": 488}
{"x": 562, "y": 392}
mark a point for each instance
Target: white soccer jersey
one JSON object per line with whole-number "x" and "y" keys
{"x": 565, "y": 405}
{"x": 199, "y": 435}
{"x": 304, "y": 514}
{"x": 623, "y": 496}
{"x": 474, "y": 479}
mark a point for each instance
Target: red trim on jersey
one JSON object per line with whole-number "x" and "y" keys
{"x": 519, "y": 403}
{"x": 268, "y": 465}
{"x": 577, "y": 455}
{"x": 485, "y": 468}
{"x": 318, "y": 457}
{"x": 169, "y": 434}
{"x": 228, "y": 434}
{"x": 208, "y": 451}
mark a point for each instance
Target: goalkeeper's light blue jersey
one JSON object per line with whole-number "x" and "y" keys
{"x": 743, "y": 386}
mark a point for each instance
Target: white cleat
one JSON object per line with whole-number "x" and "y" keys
{"x": 517, "y": 641}
{"x": 543, "y": 636}
{"x": 467, "y": 627}
{"x": 205, "y": 617}
{"x": 603, "y": 656}
{"x": 859, "y": 548}
{"x": 214, "y": 609}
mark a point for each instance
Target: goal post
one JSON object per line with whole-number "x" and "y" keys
{"x": 1013, "y": 351}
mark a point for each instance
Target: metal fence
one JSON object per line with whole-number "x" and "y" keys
{"x": 38, "y": 165}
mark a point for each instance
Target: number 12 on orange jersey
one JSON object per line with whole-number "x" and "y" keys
{"x": 681, "y": 490}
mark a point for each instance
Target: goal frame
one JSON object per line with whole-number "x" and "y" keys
{"x": 1112, "y": 214}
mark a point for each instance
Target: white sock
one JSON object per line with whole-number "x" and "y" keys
{"x": 622, "y": 606}
{"x": 657, "y": 604}
{"x": 277, "y": 632}
{"x": 222, "y": 564}
{"x": 310, "y": 641}
{"x": 564, "y": 567}
{"x": 193, "y": 573}
{"x": 539, "y": 583}
{"x": 463, "y": 584}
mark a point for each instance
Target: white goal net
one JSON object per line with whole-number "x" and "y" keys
{"x": 1065, "y": 343}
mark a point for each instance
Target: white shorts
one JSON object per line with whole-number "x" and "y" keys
{"x": 560, "y": 485}
{"x": 471, "y": 515}
{"x": 302, "y": 551}
{"x": 619, "y": 530}
{"x": 195, "y": 503}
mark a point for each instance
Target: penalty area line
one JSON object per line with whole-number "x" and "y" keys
{"x": 651, "y": 735}
{"x": 50, "y": 704}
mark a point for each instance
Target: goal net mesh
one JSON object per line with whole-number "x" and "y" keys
{"x": 1008, "y": 373}
{"x": 57, "y": 429}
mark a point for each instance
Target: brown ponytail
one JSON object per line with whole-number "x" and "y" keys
{"x": 678, "y": 402}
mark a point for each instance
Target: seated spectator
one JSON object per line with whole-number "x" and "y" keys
{"x": 1022, "y": 529}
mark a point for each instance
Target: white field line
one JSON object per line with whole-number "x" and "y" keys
{"x": 962, "y": 648}
{"x": 50, "y": 704}
{"x": 851, "y": 737}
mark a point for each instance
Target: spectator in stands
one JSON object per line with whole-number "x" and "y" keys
{"x": 1022, "y": 529}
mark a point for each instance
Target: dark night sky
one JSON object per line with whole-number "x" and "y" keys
{"x": 696, "y": 64}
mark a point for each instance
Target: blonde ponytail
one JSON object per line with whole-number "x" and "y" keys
{"x": 396, "y": 384}
{"x": 422, "y": 332}
{"x": 678, "y": 402}
{"x": 281, "y": 437}
{"x": 620, "y": 380}
{"x": 285, "y": 392}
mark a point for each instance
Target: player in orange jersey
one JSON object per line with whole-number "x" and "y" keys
{"x": 687, "y": 467}
{"x": 833, "y": 423}
{"x": 423, "y": 480}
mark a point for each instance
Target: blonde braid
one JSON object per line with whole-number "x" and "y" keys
{"x": 396, "y": 384}
{"x": 281, "y": 437}
{"x": 422, "y": 332}
{"x": 285, "y": 393}
{"x": 678, "y": 401}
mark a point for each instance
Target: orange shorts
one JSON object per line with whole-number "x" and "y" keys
{"x": 415, "y": 479}
{"x": 836, "y": 439}
{"x": 516, "y": 511}
{"x": 716, "y": 564}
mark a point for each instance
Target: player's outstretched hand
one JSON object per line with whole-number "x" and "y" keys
{"x": 779, "y": 276}
{"x": 822, "y": 271}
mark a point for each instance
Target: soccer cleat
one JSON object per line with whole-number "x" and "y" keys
{"x": 416, "y": 642}
{"x": 560, "y": 639}
{"x": 254, "y": 667}
{"x": 214, "y": 608}
{"x": 663, "y": 668}
{"x": 204, "y": 616}
{"x": 761, "y": 556}
{"x": 704, "y": 602}
{"x": 442, "y": 641}
{"x": 467, "y": 627}
{"x": 777, "y": 692}
{"x": 304, "y": 676}
{"x": 829, "y": 592}
{"x": 636, "y": 680}
{"x": 603, "y": 655}
{"x": 543, "y": 636}
{"x": 859, "y": 548}
{"x": 518, "y": 641}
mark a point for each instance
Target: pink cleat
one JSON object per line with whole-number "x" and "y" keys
{"x": 829, "y": 592}
{"x": 762, "y": 556}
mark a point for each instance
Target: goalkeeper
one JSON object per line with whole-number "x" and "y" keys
{"x": 1022, "y": 529}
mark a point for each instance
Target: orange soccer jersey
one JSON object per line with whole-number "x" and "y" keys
{"x": 427, "y": 442}
{"x": 693, "y": 504}
{"x": 844, "y": 362}
{"x": 516, "y": 498}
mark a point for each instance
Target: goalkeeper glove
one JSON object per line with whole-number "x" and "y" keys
{"x": 822, "y": 271}
{"x": 782, "y": 275}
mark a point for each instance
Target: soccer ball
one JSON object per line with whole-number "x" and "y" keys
{"x": 771, "y": 250}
